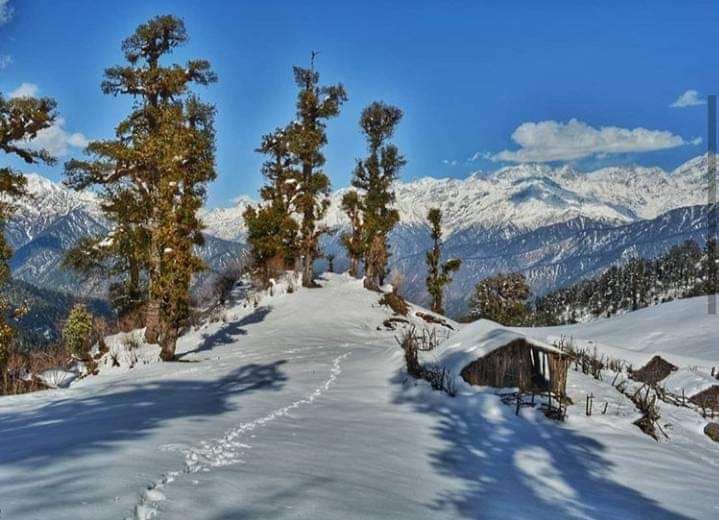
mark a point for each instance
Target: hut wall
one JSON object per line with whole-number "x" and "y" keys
{"x": 520, "y": 364}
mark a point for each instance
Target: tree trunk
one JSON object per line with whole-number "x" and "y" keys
{"x": 152, "y": 315}
{"x": 308, "y": 226}
{"x": 307, "y": 262}
{"x": 152, "y": 321}
{"x": 168, "y": 344}
{"x": 353, "y": 266}
{"x": 370, "y": 278}
{"x": 437, "y": 304}
{"x": 375, "y": 261}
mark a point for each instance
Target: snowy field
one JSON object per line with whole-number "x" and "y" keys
{"x": 300, "y": 408}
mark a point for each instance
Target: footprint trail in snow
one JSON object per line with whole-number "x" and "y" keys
{"x": 222, "y": 451}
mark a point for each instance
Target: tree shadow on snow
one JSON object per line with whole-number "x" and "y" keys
{"x": 229, "y": 333}
{"x": 75, "y": 426}
{"x": 515, "y": 467}
{"x": 67, "y": 446}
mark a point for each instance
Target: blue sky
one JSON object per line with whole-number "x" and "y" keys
{"x": 498, "y": 81}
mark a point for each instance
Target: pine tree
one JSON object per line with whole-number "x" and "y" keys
{"x": 183, "y": 192}
{"x": 375, "y": 176}
{"x": 272, "y": 230}
{"x": 122, "y": 255}
{"x": 501, "y": 298}
{"x": 20, "y": 121}
{"x": 307, "y": 136}
{"x": 353, "y": 241}
{"x": 165, "y": 150}
{"x": 77, "y": 332}
{"x": 438, "y": 276}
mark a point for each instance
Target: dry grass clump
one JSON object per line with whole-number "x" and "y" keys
{"x": 395, "y": 302}
{"x": 413, "y": 342}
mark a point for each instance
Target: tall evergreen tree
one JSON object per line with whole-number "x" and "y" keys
{"x": 353, "y": 241}
{"x": 165, "y": 150}
{"x": 122, "y": 255}
{"x": 21, "y": 119}
{"x": 315, "y": 105}
{"x": 438, "y": 275}
{"x": 183, "y": 192}
{"x": 272, "y": 230}
{"x": 374, "y": 176}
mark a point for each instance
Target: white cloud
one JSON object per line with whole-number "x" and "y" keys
{"x": 449, "y": 162}
{"x": 5, "y": 11}
{"x": 26, "y": 89}
{"x": 546, "y": 141}
{"x": 57, "y": 140}
{"x": 690, "y": 98}
{"x": 5, "y": 60}
{"x": 54, "y": 139}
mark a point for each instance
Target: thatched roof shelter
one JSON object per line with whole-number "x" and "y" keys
{"x": 708, "y": 399}
{"x": 486, "y": 353}
{"x": 654, "y": 371}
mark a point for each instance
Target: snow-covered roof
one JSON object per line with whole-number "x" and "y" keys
{"x": 477, "y": 340}
{"x": 691, "y": 381}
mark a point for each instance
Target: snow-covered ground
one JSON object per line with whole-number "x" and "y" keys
{"x": 299, "y": 408}
{"x": 682, "y": 331}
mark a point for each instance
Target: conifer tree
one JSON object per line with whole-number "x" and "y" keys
{"x": 438, "y": 275}
{"x": 374, "y": 176}
{"x": 77, "y": 332}
{"x": 315, "y": 105}
{"x": 165, "y": 150}
{"x": 182, "y": 194}
{"x": 272, "y": 230}
{"x": 501, "y": 298}
{"x": 122, "y": 255}
{"x": 354, "y": 240}
{"x": 21, "y": 119}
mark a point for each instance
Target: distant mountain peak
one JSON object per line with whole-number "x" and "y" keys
{"x": 522, "y": 197}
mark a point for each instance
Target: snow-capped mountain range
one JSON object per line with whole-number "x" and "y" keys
{"x": 555, "y": 224}
{"x": 521, "y": 198}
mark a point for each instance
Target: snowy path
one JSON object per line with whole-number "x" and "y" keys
{"x": 298, "y": 409}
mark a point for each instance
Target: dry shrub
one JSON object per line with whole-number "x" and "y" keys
{"x": 23, "y": 368}
{"x": 395, "y": 302}
{"x": 412, "y": 343}
{"x": 101, "y": 329}
{"x": 132, "y": 341}
{"x": 646, "y": 402}
{"x": 133, "y": 319}
{"x": 429, "y": 318}
{"x": 272, "y": 268}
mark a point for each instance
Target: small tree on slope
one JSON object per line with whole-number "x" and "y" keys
{"x": 438, "y": 275}
{"x": 122, "y": 255}
{"x": 353, "y": 241}
{"x": 501, "y": 298}
{"x": 272, "y": 230}
{"x": 375, "y": 176}
{"x": 77, "y": 332}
